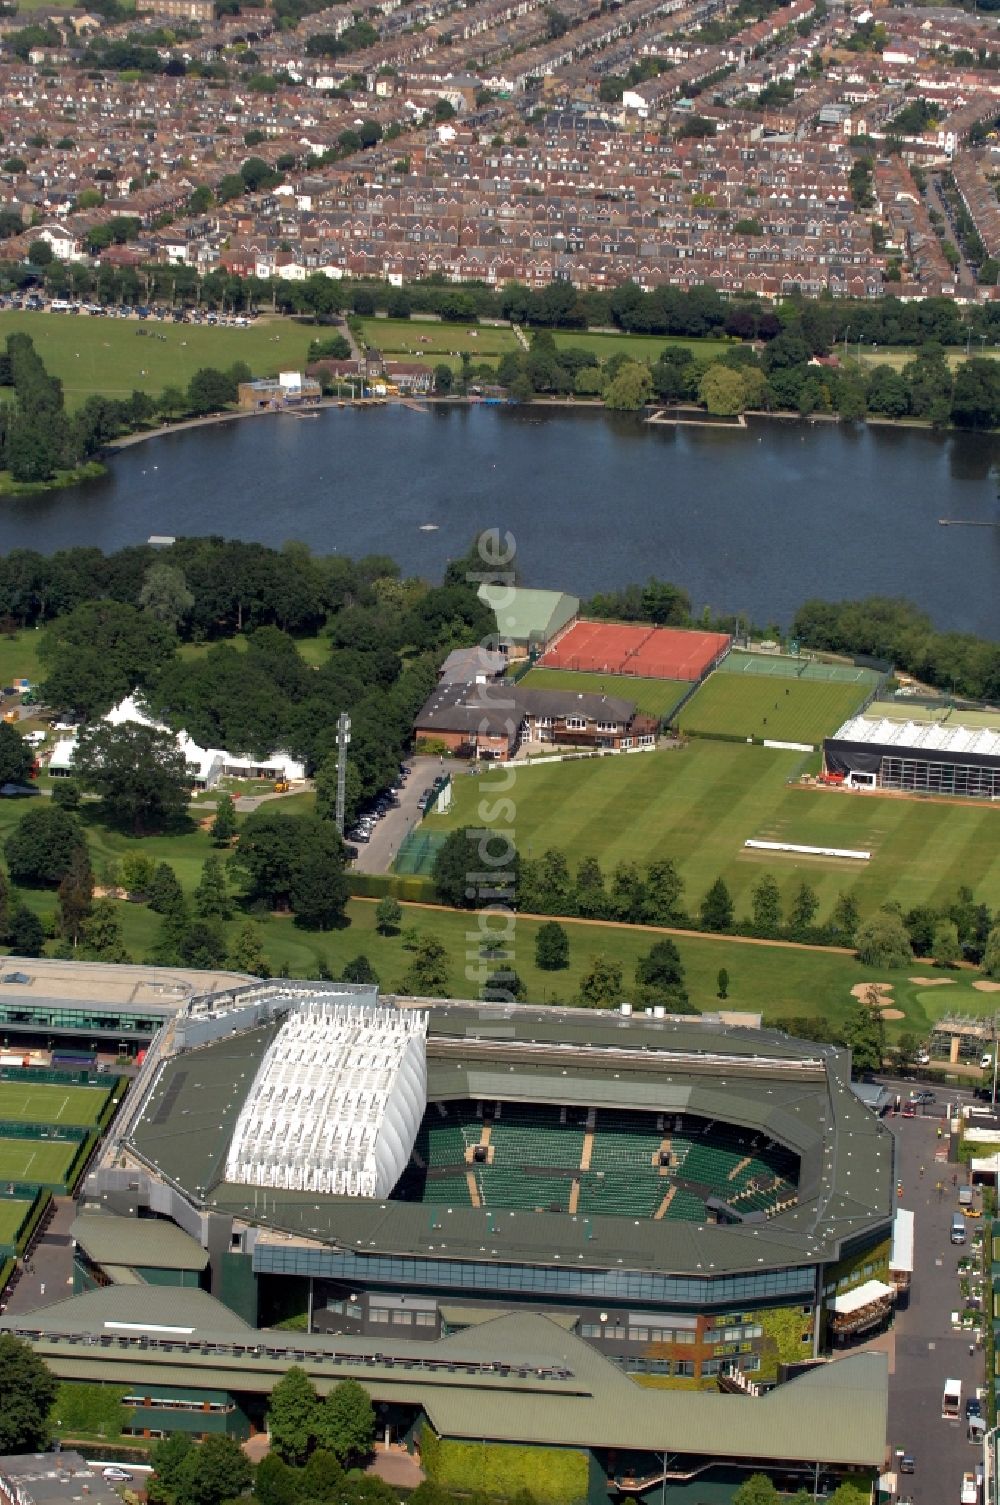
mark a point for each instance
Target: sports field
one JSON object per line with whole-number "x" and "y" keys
{"x": 657, "y": 697}
{"x": 433, "y": 342}
{"x": 36, "y": 1159}
{"x": 797, "y": 710}
{"x": 635, "y": 648}
{"x": 51, "y": 1103}
{"x": 700, "y": 804}
{"x": 117, "y": 356}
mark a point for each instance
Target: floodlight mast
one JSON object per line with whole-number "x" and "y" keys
{"x": 343, "y": 738}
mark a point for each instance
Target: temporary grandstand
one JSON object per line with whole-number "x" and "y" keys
{"x": 636, "y": 649}
{"x": 336, "y": 1103}
{"x": 923, "y": 757}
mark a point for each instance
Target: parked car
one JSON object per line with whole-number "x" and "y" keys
{"x": 112, "y": 1471}
{"x": 918, "y": 1098}
{"x": 907, "y": 1464}
{"x": 973, "y": 1407}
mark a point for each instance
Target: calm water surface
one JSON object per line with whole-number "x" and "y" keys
{"x": 755, "y": 521}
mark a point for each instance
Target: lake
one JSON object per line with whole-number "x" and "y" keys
{"x": 753, "y": 520}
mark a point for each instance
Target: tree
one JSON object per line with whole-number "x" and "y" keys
{"x": 465, "y": 855}
{"x": 4, "y": 903}
{"x": 359, "y": 970}
{"x": 722, "y": 390}
{"x": 201, "y": 944}
{"x": 388, "y": 915}
{"x": 137, "y": 871}
{"x": 25, "y": 932}
{"x": 101, "y": 934}
{"x": 211, "y": 897}
{"x": 551, "y": 947}
{"x": 293, "y": 1417}
{"x": 209, "y": 390}
{"x": 347, "y": 1422}
{"x": 223, "y": 827}
{"x": 165, "y": 595}
{"x": 765, "y": 899}
{"x": 41, "y": 847}
{"x": 275, "y": 1483}
{"x": 319, "y": 889}
{"x": 28, "y": 1389}
{"x": 427, "y": 975}
{"x": 717, "y": 908}
{"x": 100, "y": 652}
{"x": 991, "y": 955}
{"x": 864, "y": 1033}
{"x": 168, "y": 1458}
{"x": 661, "y": 972}
{"x": 601, "y": 984}
{"x": 40, "y": 253}
{"x": 16, "y": 756}
{"x": 804, "y": 906}
{"x": 664, "y": 892}
{"x": 882, "y": 941}
{"x": 294, "y": 862}
{"x": 723, "y": 983}
{"x": 629, "y": 390}
{"x": 247, "y": 952}
{"x": 216, "y": 1470}
{"x": 947, "y": 951}
{"x": 139, "y": 772}
{"x": 165, "y": 893}
{"x": 846, "y": 917}
{"x": 76, "y": 896}
{"x": 757, "y": 1490}
{"x": 591, "y": 896}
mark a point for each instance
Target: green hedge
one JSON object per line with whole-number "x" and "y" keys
{"x": 413, "y": 889}
{"x": 76, "y": 1166}
{"x": 32, "y": 1221}
{"x": 553, "y": 1476}
{"x": 81, "y": 1410}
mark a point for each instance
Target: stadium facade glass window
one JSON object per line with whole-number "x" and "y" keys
{"x": 398, "y": 1271}
{"x": 47, "y": 1017}
{"x": 931, "y": 777}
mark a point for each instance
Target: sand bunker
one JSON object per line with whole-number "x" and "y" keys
{"x": 987, "y": 987}
{"x": 931, "y": 982}
{"x": 862, "y": 989}
{"x": 893, "y": 1014}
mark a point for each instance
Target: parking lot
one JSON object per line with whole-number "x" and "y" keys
{"x": 924, "y": 1348}
{"x": 377, "y": 854}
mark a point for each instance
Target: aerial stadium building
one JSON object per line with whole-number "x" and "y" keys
{"x": 619, "y": 1234}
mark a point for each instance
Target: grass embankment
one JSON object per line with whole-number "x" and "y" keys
{"x": 699, "y": 804}
{"x": 115, "y": 357}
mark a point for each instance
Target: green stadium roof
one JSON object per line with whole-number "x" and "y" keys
{"x": 143, "y": 1243}
{"x": 796, "y": 1092}
{"x": 515, "y": 1378}
{"x": 529, "y": 616}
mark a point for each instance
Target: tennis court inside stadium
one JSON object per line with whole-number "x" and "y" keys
{"x": 51, "y": 1103}
{"x": 633, "y": 649}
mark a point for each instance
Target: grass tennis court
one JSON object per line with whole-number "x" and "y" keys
{"x": 28, "y": 1103}
{"x": 36, "y": 1159}
{"x": 781, "y": 667}
{"x": 751, "y": 705}
{"x": 657, "y": 697}
{"x": 417, "y": 852}
{"x": 699, "y": 805}
{"x": 12, "y": 1216}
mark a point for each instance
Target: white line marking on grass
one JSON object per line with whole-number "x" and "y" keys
{"x": 62, "y": 1107}
{"x": 30, "y": 1163}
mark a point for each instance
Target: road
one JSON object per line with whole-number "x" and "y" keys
{"x": 926, "y": 1349}
{"x": 377, "y": 855}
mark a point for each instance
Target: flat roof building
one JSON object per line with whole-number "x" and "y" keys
{"x": 923, "y": 757}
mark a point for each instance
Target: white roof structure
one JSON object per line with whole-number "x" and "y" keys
{"x": 861, "y": 1296}
{"x": 921, "y": 736}
{"x": 901, "y": 1258}
{"x": 336, "y": 1103}
{"x": 205, "y": 763}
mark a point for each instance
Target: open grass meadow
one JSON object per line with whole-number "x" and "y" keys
{"x": 45, "y": 1160}
{"x": 638, "y": 347}
{"x": 432, "y": 342}
{"x": 51, "y": 1103}
{"x": 699, "y": 804}
{"x": 657, "y": 697}
{"x": 785, "y": 710}
{"x": 117, "y": 356}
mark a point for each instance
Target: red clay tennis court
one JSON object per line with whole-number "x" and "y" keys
{"x": 630, "y": 648}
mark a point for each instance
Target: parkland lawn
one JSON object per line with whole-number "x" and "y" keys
{"x": 117, "y": 356}
{"x": 700, "y": 803}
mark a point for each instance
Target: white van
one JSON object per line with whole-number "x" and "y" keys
{"x": 957, "y": 1228}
